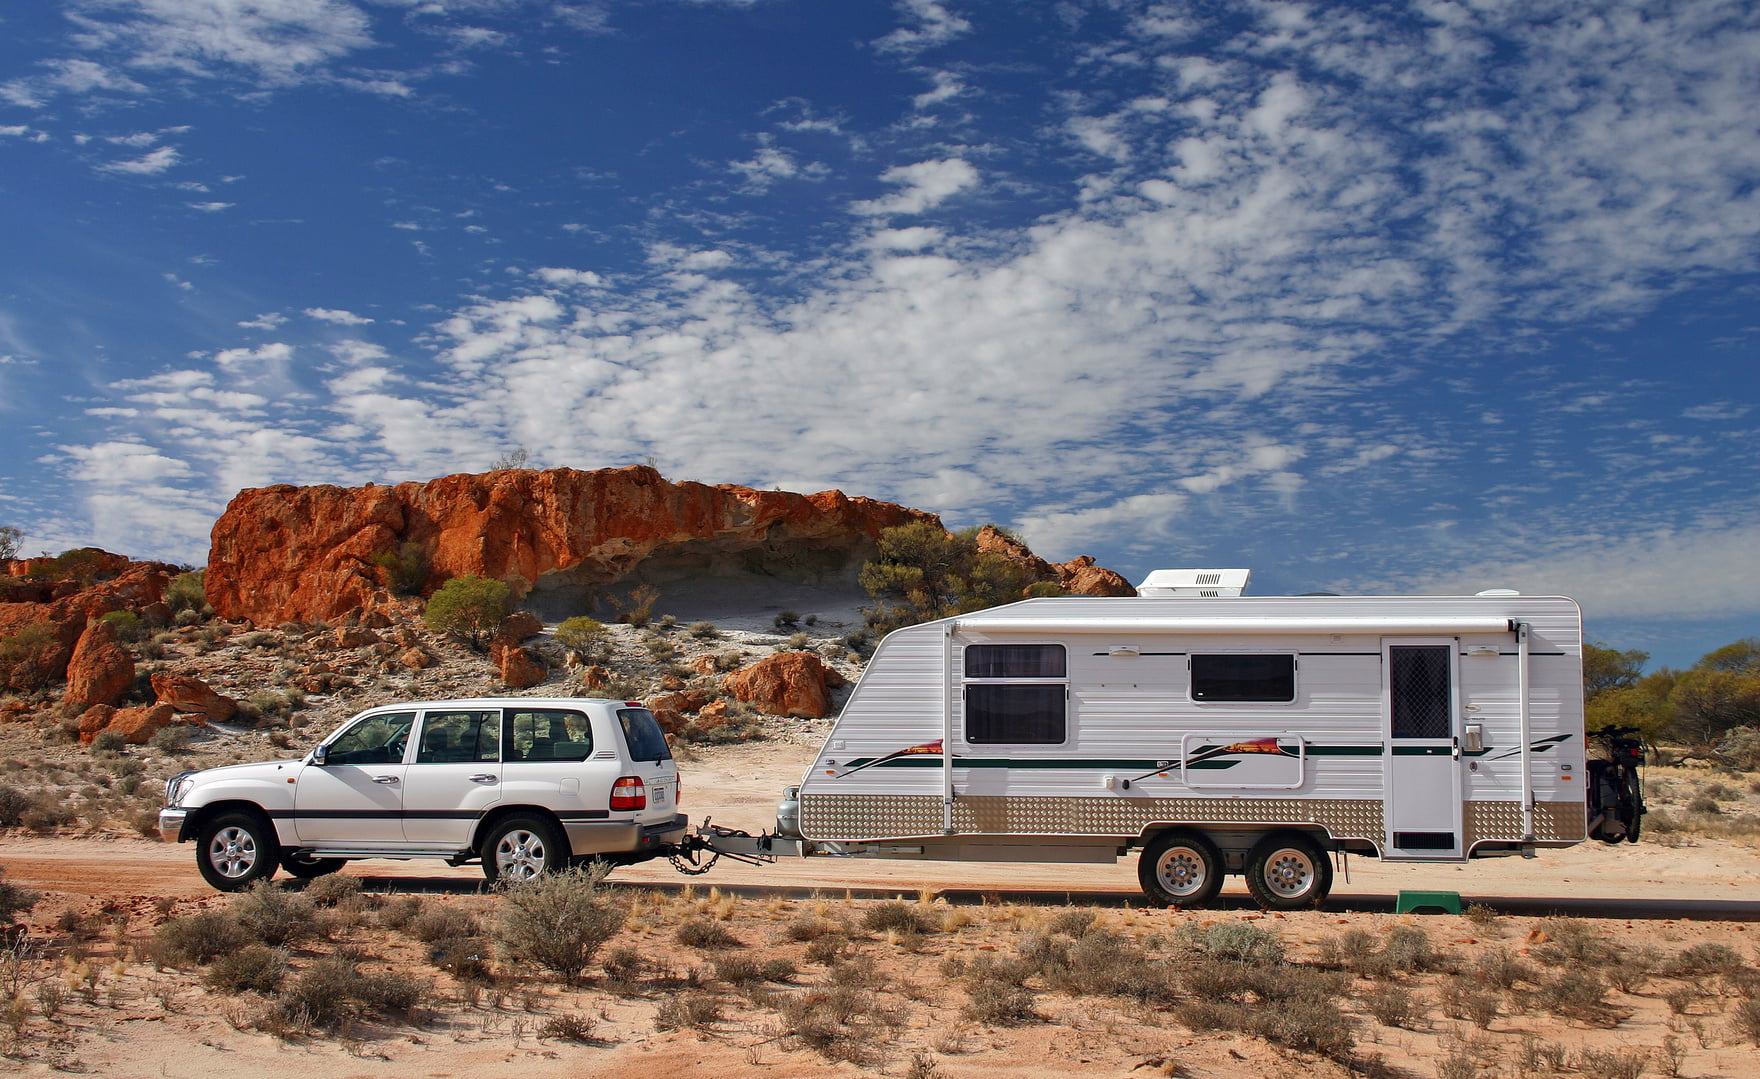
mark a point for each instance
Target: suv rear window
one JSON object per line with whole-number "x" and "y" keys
{"x": 641, "y": 732}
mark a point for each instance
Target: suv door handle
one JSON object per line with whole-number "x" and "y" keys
{"x": 484, "y": 778}
{"x": 384, "y": 779}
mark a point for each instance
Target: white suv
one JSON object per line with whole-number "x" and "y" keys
{"x": 521, "y": 784}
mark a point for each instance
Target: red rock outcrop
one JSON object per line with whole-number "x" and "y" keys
{"x": 192, "y": 695}
{"x": 288, "y": 554}
{"x": 100, "y": 671}
{"x": 1079, "y": 575}
{"x": 53, "y": 612}
{"x": 786, "y": 684}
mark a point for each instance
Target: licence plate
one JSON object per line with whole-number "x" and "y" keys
{"x": 659, "y": 795}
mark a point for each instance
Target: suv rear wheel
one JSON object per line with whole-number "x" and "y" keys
{"x": 520, "y": 848}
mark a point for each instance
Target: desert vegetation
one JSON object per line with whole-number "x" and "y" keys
{"x": 574, "y": 964}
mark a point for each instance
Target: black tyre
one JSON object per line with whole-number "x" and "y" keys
{"x": 235, "y": 850}
{"x": 1288, "y": 871}
{"x": 520, "y": 848}
{"x": 1180, "y": 868}
{"x": 305, "y": 867}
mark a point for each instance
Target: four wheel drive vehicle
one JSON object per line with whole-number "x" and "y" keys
{"x": 521, "y": 785}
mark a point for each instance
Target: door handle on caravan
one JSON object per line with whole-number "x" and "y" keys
{"x": 1456, "y": 752}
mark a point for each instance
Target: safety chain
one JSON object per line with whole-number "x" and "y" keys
{"x": 690, "y": 870}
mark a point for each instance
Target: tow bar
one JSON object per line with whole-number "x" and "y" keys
{"x": 733, "y": 843}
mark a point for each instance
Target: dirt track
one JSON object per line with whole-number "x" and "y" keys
{"x": 738, "y": 786}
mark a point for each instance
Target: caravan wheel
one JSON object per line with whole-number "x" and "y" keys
{"x": 1287, "y": 872}
{"x": 1180, "y": 869}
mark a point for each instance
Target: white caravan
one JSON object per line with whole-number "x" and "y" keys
{"x": 1213, "y": 733}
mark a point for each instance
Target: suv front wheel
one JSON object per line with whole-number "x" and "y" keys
{"x": 520, "y": 848}
{"x": 235, "y": 850}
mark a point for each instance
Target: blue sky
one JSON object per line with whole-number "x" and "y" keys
{"x": 1373, "y": 297}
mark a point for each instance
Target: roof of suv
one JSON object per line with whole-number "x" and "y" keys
{"x": 509, "y": 702}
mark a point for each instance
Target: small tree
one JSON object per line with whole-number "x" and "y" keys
{"x": 923, "y": 572}
{"x": 186, "y": 592}
{"x": 469, "y": 608}
{"x": 9, "y": 537}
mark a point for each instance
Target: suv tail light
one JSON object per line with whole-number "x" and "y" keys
{"x": 629, "y": 793}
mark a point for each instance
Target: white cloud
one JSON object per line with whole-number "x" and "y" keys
{"x": 274, "y": 352}
{"x": 926, "y": 184}
{"x": 271, "y": 41}
{"x": 932, "y": 24}
{"x": 210, "y": 207}
{"x": 563, "y": 277}
{"x": 336, "y": 317}
{"x": 146, "y": 165}
{"x": 1693, "y": 573}
{"x": 269, "y": 320}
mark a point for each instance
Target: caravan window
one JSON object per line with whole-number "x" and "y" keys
{"x": 1234, "y": 676}
{"x": 1010, "y": 695}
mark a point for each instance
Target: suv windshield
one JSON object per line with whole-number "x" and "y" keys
{"x": 641, "y": 731}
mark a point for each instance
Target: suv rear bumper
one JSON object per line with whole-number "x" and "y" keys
{"x": 588, "y": 837}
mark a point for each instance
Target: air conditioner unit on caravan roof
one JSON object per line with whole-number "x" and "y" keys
{"x": 1194, "y": 583}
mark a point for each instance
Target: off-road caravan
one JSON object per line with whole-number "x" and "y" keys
{"x": 1213, "y": 733}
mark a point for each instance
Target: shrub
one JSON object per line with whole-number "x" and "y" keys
{"x": 786, "y": 619}
{"x": 704, "y": 631}
{"x": 841, "y": 1023}
{"x": 1745, "y": 1018}
{"x": 468, "y": 608}
{"x": 186, "y": 593}
{"x": 126, "y": 625}
{"x": 1394, "y": 1006}
{"x": 198, "y": 938}
{"x": 333, "y": 890}
{"x": 434, "y": 924}
{"x": 23, "y": 658}
{"x": 895, "y": 914}
{"x": 1579, "y": 994}
{"x": 688, "y": 1011}
{"x": 1611, "y": 1063}
{"x": 274, "y": 916}
{"x": 569, "y": 1028}
{"x": 13, "y": 804}
{"x": 14, "y": 899}
{"x": 327, "y": 991}
{"x": 557, "y": 920}
{"x": 1702, "y": 959}
{"x": 108, "y": 742}
{"x": 172, "y": 741}
{"x": 585, "y": 637}
{"x": 639, "y": 608}
{"x": 254, "y": 968}
{"x": 405, "y": 566}
{"x": 1233, "y": 940}
{"x": 707, "y": 935}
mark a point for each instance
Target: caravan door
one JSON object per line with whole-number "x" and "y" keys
{"x": 1421, "y": 711}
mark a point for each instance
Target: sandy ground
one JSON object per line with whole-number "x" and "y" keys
{"x": 1672, "y": 896}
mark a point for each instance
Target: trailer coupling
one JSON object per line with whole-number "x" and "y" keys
{"x": 699, "y": 851}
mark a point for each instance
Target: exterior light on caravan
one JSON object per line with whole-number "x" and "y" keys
{"x": 1484, "y": 650}
{"x": 1124, "y": 651}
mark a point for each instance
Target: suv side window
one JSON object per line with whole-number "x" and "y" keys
{"x": 548, "y": 735}
{"x": 455, "y": 737}
{"x": 374, "y": 740}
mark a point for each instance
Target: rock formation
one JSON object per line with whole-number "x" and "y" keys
{"x": 1080, "y": 575}
{"x": 46, "y": 614}
{"x": 100, "y": 671}
{"x": 194, "y": 696}
{"x": 561, "y": 537}
{"x": 566, "y": 541}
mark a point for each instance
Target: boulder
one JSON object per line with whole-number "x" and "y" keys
{"x": 415, "y": 659}
{"x": 594, "y": 677}
{"x": 518, "y": 627}
{"x": 138, "y": 725}
{"x": 690, "y": 700}
{"x": 95, "y": 719}
{"x": 786, "y": 684}
{"x": 521, "y": 668}
{"x": 100, "y": 670}
{"x": 181, "y": 693}
{"x": 354, "y": 637}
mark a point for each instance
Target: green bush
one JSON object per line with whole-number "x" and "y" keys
{"x": 557, "y": 920}
{"x": 126, "y": 625}
{"x": 405, "y": 566}
{"x": 469, "y": 608}
{"x": 585, "y": 637}
{"x": 922, "y": 572}
{"x": 186, "y": 592}
{"x": 199, "y": 938}
{"x": 274, "y": 916}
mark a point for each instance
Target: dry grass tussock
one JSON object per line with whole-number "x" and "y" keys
{"x": 890, "y": 986}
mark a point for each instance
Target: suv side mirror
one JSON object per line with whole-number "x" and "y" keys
{"x": 320, "y": 754}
